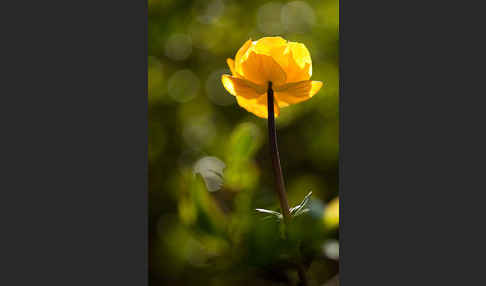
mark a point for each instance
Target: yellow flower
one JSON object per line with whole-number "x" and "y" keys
{"x": 287, "y": 65}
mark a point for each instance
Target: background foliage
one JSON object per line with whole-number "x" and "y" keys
{"x": 209, "y": 162}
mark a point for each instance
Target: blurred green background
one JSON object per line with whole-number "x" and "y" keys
{"x": 209, "y": 161}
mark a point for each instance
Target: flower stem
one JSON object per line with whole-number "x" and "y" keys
{"x": 277, "y": 169}
{"x": 277, "y": 174}
{"x": 302, "y": 276}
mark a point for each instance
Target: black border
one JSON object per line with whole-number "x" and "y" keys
{"x": 74, "y": 147}
{"x": 411, "y": 157}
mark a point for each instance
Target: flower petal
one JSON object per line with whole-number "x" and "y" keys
{"x": 300, "y": 54}
{"x": 295, "y": 72}
{"x": 258, "y": 106}
{"x": 296, "y": 92}
{"x": 242, "y": 87}
{"x": 261, "y": 69}
{"x": 269, "y": 45}
{"x": 242, "y": 51}
{"x": 231, "y": 65}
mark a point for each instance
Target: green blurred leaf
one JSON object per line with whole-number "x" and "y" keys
{"x": 244, "y": 141}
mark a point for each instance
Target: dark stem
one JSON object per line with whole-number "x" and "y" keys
{"x": 277, "y": 173}
{"x": 277, "y": 169}
{"x": 302, "y": 276}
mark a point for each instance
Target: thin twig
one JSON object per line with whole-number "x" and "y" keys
{"x": 277, "y": 169}
{"x": 302, "y": 275}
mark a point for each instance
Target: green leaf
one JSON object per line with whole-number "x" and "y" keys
{"x": 301, "y": 208}
{"x": 272, "y": 213}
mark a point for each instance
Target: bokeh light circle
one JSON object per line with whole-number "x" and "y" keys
{"x": 211, "y": 170}
{"x": 178, "y": 47}
{"x": 183, "y": 85}
{"x": 212, "y": 12}
{"x": 215, "y": 90}
{"x": 298, "y": 17}
{"x": 199, "y": 132}
{"x": 331, "y": 249}
{"x": 268, "y": 18}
